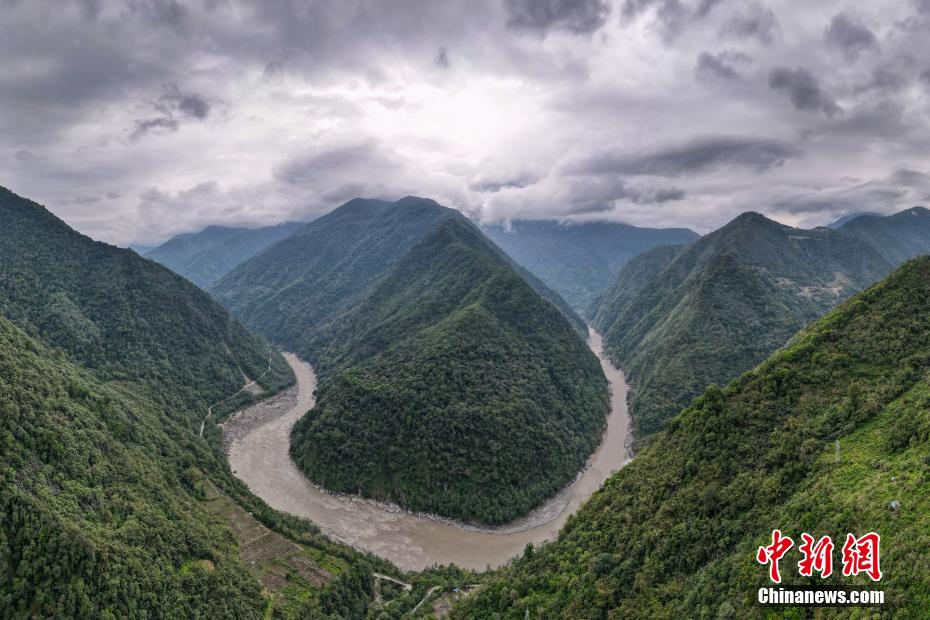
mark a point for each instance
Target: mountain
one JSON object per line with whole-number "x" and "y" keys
{"x": 141, "y": 250}
{"x": 111, "y": 503}
{"x": 579, "y": 260}
{"x": 675, "y": 532}
{"x": 719, "y": 306}
{"x": 122, "y": 315}
{"x": 897, "y": 237}
{"x": 447, "y": 383}
{"x": 846, "y": 218}
{"x": 206, "y": 256}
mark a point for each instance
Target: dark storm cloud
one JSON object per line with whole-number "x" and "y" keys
{"x": 171, "y": 108}
{"x": 711, "y": 67}
{"x": 577, "y": 16}
{"x": 754, "y": 22}
{"x": 852, "y": 37}
{"x": 701, "y": 155}
{"x": 804, "y": 90}
{"x": 925, "y": 78}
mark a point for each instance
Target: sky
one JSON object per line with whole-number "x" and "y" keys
{"x": 134, "y": 120}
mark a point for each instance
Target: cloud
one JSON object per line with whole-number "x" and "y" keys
{"x": 697, "y": 156}
{"x": 670, "y": 16}
{"x": 804, "y": 90}
{"x": 705, "y": 7}
{"x": 575, "y": 16}
{"x": 925, "y": 78}
{"x": 171, "y": 108}
{"x": 711, "y": 67}
{"x": 756, "y": 22}
{"x": 852, "y": 37}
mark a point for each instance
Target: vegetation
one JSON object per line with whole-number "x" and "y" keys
{"x": 579, "y": 260}
{"x": 447, "y": 384}
{"x": 677, "y": 322}
{"x": 111, "y": 505}
{"x": 897, "y": 237}
{"x": 206, "y": 256}
{"x": 453, "y": 388}
{"x": 674, "y": 533}
{"x": 123, "y": 316}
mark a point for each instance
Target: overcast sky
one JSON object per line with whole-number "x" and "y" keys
{"x": 134, "y": 120}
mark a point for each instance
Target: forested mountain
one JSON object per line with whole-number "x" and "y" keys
{"x": 121, "y": 315}
{"x": 111, "y": 504}
{"x": 675, "y": 532}
{"x": 206, "y": 256}
{"x": 579, "y": 260}
{"x": 897, "y": 237}
{"x": 720, "y": 305}
{"x": 846, "y": 218}
{"x": 447, "y": 383}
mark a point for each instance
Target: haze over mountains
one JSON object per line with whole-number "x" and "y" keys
{"x": 675, "y": 532}
{"x": 579, "y": 259}
{"x": 448, "y": 383}
{"x": 206, "y": 256}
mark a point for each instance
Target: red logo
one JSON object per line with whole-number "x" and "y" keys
{"x": 860, "y": 555}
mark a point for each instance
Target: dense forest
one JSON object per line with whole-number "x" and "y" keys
{"x": 447, "y": 382}
{"x": 679, "y": 321}
{"x": 125, "y": 317}
{"x": 579, "y": 260}
{"x": 112, "y": 504}
{"x": 453, "y": 388}
{"x": 675, "y": 533}
{"x": 206, "y": 256}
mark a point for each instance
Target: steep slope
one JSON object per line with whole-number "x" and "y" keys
{"x": 290, "y": 292}
{"x": 724, "y": 303}
{"x": 111, "y": 504}
{"x": 674, "y": 533}
{"x": 579, "y": 260}
{"x": 453, "y": 388}
{"x": 897, "y": 237}
{"x": 437, "y": 358}
{"x": 206, "y": 256}
{"x": 122, "y": 315}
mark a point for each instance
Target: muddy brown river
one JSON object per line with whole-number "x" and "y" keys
{"x": 257, "y": 440}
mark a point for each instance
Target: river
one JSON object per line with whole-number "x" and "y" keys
{"x": 257, "y": 440}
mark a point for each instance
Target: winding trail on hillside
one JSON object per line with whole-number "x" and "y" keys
{"x": 241, "y": 390}
{"x": 257, "y": 441}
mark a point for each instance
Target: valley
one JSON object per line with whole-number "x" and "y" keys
{"x": 258, "y": 441}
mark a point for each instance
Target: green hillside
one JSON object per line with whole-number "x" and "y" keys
{"x": 579, "y": 260}
{"x": 674, "y": 533}
{"x": 678, "y": 322}
{"x": 897, "y": 237}
{"x": 111, "y": 504}
{"x": 123, "y": 316}
{"x": 453, "y": 388}
{"x": 448, "y": 383}
{"x": 206, "y": 256}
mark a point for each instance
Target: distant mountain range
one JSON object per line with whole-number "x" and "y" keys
{"x": 896, "y": 237}
{"x": 677, "y": 320}
{"x": 448, "y": 382}
{"x": 206, "y": 256}
{"x": 674, "y": 534}
{"x": 579, "y": 260}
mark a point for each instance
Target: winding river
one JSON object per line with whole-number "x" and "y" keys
{"x": 257, "y": 440}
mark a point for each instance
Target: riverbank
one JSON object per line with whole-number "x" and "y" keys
{"x": 257, "y": 441}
